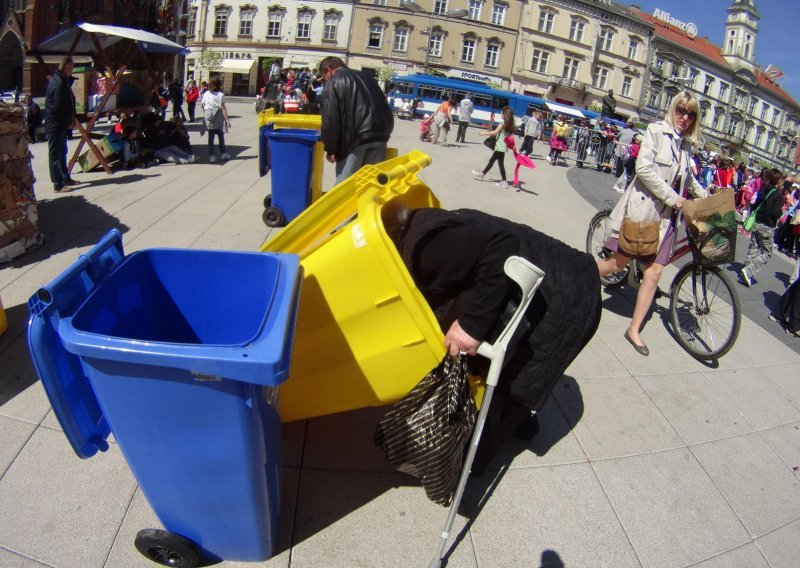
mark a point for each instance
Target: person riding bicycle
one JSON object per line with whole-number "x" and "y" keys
{"x": 663, "y": 174}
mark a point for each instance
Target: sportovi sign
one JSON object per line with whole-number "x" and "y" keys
{"x": 472, "y": 76}
{"x": 664, "y": 16}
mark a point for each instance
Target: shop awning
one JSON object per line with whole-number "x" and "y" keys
{"x": 564, "y": 109}
{"x": 236, "y": 65}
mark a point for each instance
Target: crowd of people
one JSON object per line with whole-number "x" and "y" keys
{"x": 750, "y": 187}
{"x": 147, "y": 137}
{"x": 291, "y": 90}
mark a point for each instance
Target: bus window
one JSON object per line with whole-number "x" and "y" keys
{"x": 533, "y": 107}
{"x": 482, "y": 101}
{"x": 459, "y": 95}
{"x": 499, "y": 102}
{"x": 403, "y": 88}
{"x": 426, "y": 92}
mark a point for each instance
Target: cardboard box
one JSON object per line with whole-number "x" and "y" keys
{"x": 20, "y": 222}
{"x": 95, "y": 101}
{"x": 81, "y": 88}
{"x": 107, "y": 147}
{"x": 13, "y": 146}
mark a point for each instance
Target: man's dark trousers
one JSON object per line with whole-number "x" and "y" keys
{"x": 57, "y": 157}
{"x": 462, "y": 131}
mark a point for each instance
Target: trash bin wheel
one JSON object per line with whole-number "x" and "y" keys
{"x": 273, "y": 217}
{"x": 167, "y": 549}
{"x": 268, "y": 201}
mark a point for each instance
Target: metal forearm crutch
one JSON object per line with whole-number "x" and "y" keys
{"x": 528, "y": 277}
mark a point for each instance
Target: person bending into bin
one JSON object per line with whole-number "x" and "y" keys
{"x": 456, "y": 259}
{"x": 356, "y": 119}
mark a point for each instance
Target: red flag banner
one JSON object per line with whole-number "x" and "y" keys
{"x": 773, "y": 72}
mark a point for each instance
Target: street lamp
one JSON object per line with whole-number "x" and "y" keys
{"x": 415, "y": 8}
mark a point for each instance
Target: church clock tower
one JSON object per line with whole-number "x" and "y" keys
{"x": 741, "y": 27}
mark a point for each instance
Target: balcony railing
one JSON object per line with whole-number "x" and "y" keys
{"x": 558, "y": 81}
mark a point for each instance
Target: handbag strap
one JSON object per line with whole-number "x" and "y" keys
{"x": 770, "y": 192}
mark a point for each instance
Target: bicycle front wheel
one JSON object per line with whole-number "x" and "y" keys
{"x": 596, "y": 237}
{"x": 705, "y": 311}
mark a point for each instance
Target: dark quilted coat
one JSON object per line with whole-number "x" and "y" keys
{"x": 563, "y": 315}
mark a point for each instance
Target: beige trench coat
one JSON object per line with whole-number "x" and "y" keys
{"x": 650, "y": 196}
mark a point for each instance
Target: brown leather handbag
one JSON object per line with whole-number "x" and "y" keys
{"x": 639, "y": 238}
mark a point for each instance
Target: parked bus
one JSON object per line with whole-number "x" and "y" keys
{"x": 488, "y": 102}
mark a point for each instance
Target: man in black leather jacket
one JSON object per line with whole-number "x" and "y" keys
{"x": 356, "y": 119}
{"x": 59, "y": 115}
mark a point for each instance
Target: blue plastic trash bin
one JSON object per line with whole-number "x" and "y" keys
{"x": 263, "y": 150}
{"x": 291, "y": 156}
{"x": 179, "y": 353}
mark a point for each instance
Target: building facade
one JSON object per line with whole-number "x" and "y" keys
{"x": 466, "y": 39}
{"x": 575, "y": 51}
{"x": 743, "y": 111}
{"x": 570, "y": 51}
{"x": 245, "y": 37}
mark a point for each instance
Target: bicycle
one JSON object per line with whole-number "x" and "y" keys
{"x": 704, "y": 308}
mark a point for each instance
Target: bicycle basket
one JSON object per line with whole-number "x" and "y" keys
{"x": 717, "y": 246}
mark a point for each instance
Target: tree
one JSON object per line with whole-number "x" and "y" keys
{"x": 385, "y": 75}
{"x": 211, "y": 60}
{"x": 267, "y": 63}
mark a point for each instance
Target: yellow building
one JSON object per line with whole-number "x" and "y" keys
{"x": 465, "y": 39}
{"x": 575, "y": 51}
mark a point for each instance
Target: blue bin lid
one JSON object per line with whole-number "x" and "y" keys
{"x": 65, "y": 382}
{"x": 294, "y": 134}
{"x": 121, "y": 320}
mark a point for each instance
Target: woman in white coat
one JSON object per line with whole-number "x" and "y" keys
{"x": 663, "y": 174}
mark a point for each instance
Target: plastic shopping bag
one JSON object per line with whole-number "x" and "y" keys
{"x": 425, "y": 433}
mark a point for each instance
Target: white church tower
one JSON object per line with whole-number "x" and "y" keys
{"x": 741, "y": 27}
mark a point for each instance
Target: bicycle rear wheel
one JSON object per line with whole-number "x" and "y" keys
{"x": 596, "y": 237}
{"x": 705, "y": 311}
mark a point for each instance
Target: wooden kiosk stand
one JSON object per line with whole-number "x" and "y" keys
{"x": 94, "y": 40}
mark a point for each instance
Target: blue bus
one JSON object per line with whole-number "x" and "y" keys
{"x": 432, "y": 90}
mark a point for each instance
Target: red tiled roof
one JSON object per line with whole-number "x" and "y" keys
{"x": 707, "y": 50}
{"x": 765, "y": 82}
{"x": 701, "y": 46}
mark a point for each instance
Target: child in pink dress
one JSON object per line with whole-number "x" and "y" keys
{"x": 425, "y": 129}
{"x": 522, "y": 160}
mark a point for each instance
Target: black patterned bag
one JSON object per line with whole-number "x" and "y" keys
{"x": 425, "y": 433}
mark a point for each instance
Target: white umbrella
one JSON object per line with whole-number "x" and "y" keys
{"x": 63, "y": 42}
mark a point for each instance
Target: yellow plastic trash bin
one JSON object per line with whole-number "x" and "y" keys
{"x": 365, "y": 334}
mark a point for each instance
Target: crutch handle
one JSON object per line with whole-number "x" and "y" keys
{"x": 528, "y": 277}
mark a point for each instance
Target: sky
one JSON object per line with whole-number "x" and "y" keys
{"x": 777, "y": 41}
